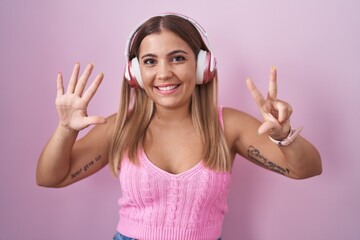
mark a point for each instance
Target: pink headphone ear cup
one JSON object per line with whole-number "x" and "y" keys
{"x": 200, "y": 66}
{"x": 133, "y": 74}
{"x": 205, "y": 68}
{"x": 128, "y": 76}
{"x": 210, "y": 68}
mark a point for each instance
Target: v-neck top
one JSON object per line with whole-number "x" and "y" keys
{"x": 156, "y": 204}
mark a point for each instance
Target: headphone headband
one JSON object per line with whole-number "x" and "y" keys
{"x": 200, "y": 29}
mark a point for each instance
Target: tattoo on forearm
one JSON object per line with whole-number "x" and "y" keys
{"x": 255, "y": 155}
{"x": 86, "y": 167}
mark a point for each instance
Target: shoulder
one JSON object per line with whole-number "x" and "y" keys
{"x": 238, "y": 124}
{"x": 236, "y": 117}
{"x": 107, "y": 127}
{"x": 101, "y": 134}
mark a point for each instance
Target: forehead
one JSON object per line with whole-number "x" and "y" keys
{"x": 162, "y": 42}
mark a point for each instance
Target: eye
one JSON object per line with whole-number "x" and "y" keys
{"x": 178, "y": 58}
{"x": 149, "y": 61}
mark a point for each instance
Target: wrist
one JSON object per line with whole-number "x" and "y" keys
{"x": 293, "y": 133}
{"x": 66, "y": 131}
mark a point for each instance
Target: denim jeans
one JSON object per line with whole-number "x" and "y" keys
{"x": 119, "y": 236}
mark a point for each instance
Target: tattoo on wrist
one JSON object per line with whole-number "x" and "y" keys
{"x": 255, "y": 155}
{"x": 86, "y": 167}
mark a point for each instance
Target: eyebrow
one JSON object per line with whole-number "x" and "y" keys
{"x": 169, "y": 54}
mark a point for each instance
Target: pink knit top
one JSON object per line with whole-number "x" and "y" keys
{"x": 159, "y": 205}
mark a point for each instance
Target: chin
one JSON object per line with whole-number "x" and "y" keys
{"x": 171, "y": 104}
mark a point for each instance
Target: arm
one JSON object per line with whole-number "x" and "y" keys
{"x": 64, "y": 160}
{"x": 298, "y": 160}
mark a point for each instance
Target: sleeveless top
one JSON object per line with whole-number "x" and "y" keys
{"x": 156, "y": 204}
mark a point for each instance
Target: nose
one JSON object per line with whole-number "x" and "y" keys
{"x": 164, "y": 71}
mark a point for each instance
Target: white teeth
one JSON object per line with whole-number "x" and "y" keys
{"x": 167, "y": 88}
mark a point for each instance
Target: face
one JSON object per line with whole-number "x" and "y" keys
{"x": 168, "y": 69}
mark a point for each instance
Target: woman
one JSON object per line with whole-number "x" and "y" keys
{"x": 170, "y": 144}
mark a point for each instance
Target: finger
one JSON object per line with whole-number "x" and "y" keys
{"x": 90, "y": 92}
{"x": 272, "y": 94}
{"x": 256, "y": 94}
{"x": 268, "y": 126}
{"x": 60, "y": 85}
{"x": 83, "y": 80}
{"x": 73, "y": 79}
{"x": 269, "y": 108}
{"x": 93, "y": 120}
{"x": 284, "y": 111}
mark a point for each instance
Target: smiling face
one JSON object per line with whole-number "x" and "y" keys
{"x": 168, "y": 69}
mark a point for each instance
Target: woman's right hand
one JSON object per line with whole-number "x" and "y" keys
{"x": 72, "y": 104}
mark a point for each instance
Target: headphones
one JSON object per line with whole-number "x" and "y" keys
{"x": 205, "y": 65}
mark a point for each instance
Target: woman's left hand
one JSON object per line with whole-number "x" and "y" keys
{"x": 276, "y": 113}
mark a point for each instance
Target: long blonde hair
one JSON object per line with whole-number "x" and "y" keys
{"x": 136, "y": 108}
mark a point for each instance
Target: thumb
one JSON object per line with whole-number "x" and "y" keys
{"x": 93, "y": 120}
{"x": 266, "y": 126}
{"x": 270, "y": 123}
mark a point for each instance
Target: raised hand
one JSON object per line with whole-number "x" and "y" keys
{"x": 276, "y": 113}
{"x": 72, "y": 104}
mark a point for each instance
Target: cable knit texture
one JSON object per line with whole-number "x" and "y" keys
{"x": 159, "y": 205}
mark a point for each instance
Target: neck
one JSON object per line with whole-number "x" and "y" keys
{"x": 172, "y": 115}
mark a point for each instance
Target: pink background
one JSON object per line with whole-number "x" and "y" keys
{"x": 315, "y": 46}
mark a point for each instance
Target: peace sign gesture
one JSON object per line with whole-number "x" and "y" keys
{"x": 276, "y": 113}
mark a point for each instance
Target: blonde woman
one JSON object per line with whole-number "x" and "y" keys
{"x": 170, "y": 144}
